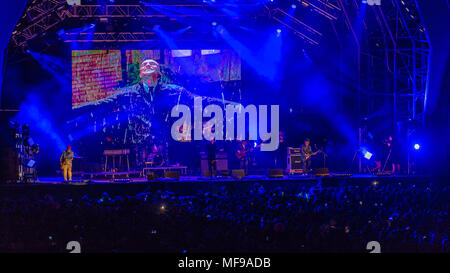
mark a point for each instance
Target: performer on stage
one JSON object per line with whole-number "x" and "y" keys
{"x": 243, "y": 154}
{"x": 281, "y": 152}
{"x": 211, "y": 152}
{"x": 307, "y": 153}
{"x": 390, "y": 155}
{"x": 66, "y": 163}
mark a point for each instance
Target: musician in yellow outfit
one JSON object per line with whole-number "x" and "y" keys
{"x": 66, "y": 162}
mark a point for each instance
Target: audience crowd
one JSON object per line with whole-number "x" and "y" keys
{"x": 401, "y": 217}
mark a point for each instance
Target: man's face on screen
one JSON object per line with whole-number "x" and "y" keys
{"x": 148, "y": 67}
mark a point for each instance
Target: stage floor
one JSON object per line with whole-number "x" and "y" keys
{"x": 194, "y": 184}
{"x": 249, "y": 178}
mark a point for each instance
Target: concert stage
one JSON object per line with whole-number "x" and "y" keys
{"x": 194, "y": 184}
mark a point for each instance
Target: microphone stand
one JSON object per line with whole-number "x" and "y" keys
{"x": 387, "y": 159}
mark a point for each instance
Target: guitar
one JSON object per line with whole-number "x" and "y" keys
{"x": 241, "y": 153}
{"x": 307, "y": 156}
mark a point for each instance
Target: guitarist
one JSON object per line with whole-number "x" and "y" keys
{"x": 66, "y": 162}
{"x": 243, "y": 154}
{"x": 307, "y": 153}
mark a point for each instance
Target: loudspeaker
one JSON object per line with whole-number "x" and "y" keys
{"x": 238, "y": 174}
{"x": 172, "y": 174}
{"x": 294, "y": 160}
{"x": 322, "y": 172}
{"x": 275, "y": 173}
{"x": 221, "y": 162}
{"x": 225, "y": 173}
{"x": 203, "y": 162}
{"x": 208, "y": 173}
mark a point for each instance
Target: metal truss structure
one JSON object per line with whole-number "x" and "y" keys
{"x": 109, "y": 37}
{"x": 42, "y": 16}
{"x": 39, "y": 17}
{"x": 302, "y": 30}
{"x": 402, "y": 46}
{"x": 393, "y": 64}
{"x": 141, "y": 11}
{"x": 329, "y": 9}
{"x": 414, "y": 68}
{"x": 311, "y": 35}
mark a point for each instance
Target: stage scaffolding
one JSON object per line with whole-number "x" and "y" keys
{"x": 392, "y": 65}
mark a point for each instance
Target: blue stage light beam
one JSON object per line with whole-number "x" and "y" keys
{"x": 359, "y": 21}
{"x": 34, "y": 112}
{"x": 167, "y": 39}
{"x": 56, "y": 66}
{"x": 181, "y": 31}
{"x": 86, "y": 126}
{"x": 265, "y": 62}
{"x": 86, "y": 32}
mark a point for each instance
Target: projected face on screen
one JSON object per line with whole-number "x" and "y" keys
{"x": 131, "y": 105}
{"x": 148, "y": 67}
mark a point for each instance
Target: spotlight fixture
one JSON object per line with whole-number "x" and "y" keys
{"x": 31, "y": 163}
{"x": 366, "y": 154}
{"x": 416, "y": 146}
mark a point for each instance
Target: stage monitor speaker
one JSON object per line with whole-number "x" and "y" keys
{"x": 172, "y": 174}
{"x": 151, "y": 176}
{"x": 275, "y": 173}
{"x": 322, "y": 172}
{"x": 208, "y": 173}
{"x": 238, "y": 174}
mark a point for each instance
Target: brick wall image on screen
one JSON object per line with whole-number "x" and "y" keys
{"x": 95, "y": 74}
